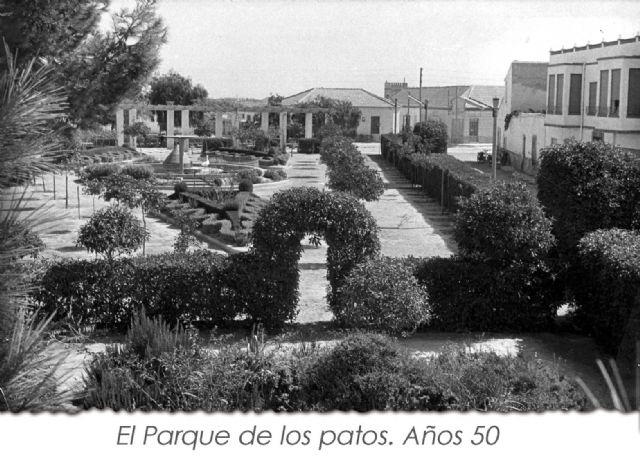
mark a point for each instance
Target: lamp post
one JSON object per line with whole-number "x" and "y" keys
{"x": 494, "y": 147}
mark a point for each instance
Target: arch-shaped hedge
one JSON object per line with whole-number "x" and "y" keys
{"x": 266, "y": 278}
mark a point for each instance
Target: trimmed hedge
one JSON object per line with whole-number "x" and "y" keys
{"x": 501, "y": 279}
{"x": 474, "y": 295}
{"x": 348, "y": 227}
{"x": 309, "y": 145}
{"x": 608, "y": 271}
{"x": 348, "y": 170}
{"x": 382, "y": 294}
{"x": 586, "y": 186}
{"x": 441, "y": 176}
{"x": 178, "y": 287}
{"x": 433, "y": 135}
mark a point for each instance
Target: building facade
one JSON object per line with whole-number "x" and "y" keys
{"x": 521, "y": 116}
{"x": 377, "y": 112}
{"x": 465, "y": 109}
{"x": 593, "y": 93}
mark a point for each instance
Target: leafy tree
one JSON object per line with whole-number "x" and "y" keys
{"x": 432, "y": 136}
{"x": 275, "y": 100}
{"x": 112, "y": 231}
{"x": 48, "y": 29}
{"x": 175, "y": 88}
{"x": 110, "y": 67}
{"x": 341, "y": 113}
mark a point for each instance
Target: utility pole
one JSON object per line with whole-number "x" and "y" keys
{"x": 420, "y": 93}
{"x": 408, "y": 112}
{"x": 494, "y": 148}
{"x": 395, "y": 117}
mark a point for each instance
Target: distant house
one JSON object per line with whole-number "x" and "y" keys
{"x": 465, "y": 109}
{"x": 593, "y": 93}
{"x": 377, "y": 112}
{"x": 520, "y": 128}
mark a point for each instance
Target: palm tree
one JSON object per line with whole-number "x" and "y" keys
{"x": 29, "y": 103}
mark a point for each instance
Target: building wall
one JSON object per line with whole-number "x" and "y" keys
{"x": 601, "y": 114}
{"x": 517, "y": 140}
{"x": 386, "y": 120}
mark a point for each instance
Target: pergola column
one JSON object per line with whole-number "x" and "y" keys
{"x": 120, "y": 127}
{"x": 219, "y": 125}
{"x": 170, "y": 130}
{"x": 184, "y": 121}
{"x": 308, "y": 125}
{"x": 283, "y": 131}
{"x": 264, "y": 121}
{"x": 133, "y": 116}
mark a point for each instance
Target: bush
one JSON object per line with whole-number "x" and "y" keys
{"x": 584, "y": 186}
{"x": 150, "y": 338}
{"x": 138, "y": 172}
{"x": 99, "y": 171}
{"x": 138, "y": 129}
{"x": 112, "y": 231}
{"x": 253, "y": 175}
{"x": 347, "y": 226}
{"x": 348, "y": 171}
{"x": 433, "y": 135}
{"x": 180, "y": 187}
{"x": 474, "y": 295}
{"x": 608, "y": 271}
{"x": 363, "y": 372}
{"x": 275, "y": 174}
{"x": 245, "y": 185}
{"x": 382, "y": 294}
{"x": 311, "y": 145}
{"x": 177, "y": 287}
{"x": 504, "y": 225}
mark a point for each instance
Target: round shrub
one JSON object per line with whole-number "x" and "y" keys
{"x": 112, "y": 231}
{"x": 586, "y": 186}
{"x": 503, "y": 224}
{"x": 364, "y": 372}
{"x": 245, "y": 185}
{"x": 99, "y": 171}
{"x": 382, "y": 294}
{"x": 180, "y": 187}
{"x": 275, "y": 174}
{"x": 433, "y": 135}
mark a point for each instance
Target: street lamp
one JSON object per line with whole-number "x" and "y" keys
{"x": 494, "y": 147}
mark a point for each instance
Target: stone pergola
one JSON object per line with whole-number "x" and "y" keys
{"x": 283, "y": 112}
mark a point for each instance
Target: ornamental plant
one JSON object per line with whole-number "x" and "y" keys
{"x": 382, "y": 294}
{"x": 111, "y": 232}
{"x": 433, "y": 135}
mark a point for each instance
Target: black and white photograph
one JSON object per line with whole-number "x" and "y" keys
{"x": 306, "y": 209}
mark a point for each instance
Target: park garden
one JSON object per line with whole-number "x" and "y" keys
{"x": 214, "y": 329}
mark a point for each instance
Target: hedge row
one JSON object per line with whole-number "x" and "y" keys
{"x": 347, "y": 169}
{"x": 442, "y": 176}
{"x": 179, "y": 287}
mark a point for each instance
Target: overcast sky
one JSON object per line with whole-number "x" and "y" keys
{"x": 256, "y": 48}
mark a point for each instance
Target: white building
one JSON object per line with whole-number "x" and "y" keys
{"x": 593, "y": 93}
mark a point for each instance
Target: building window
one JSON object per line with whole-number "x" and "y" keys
{"x": 551, "y": 93}
{"x": 614, "y": 108}
{"x": 559, "y": 93}
{"x": 534, "y": 150}
{"x": 575, "y": 94}
{"x": 554, "y": 141}
{"x": 593, "y": 96}
{"x": 363, "y": 119}
{"x": 633, "y": 99}
{"x": 604, "y": 89}
{"x": 473, "y": 127}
